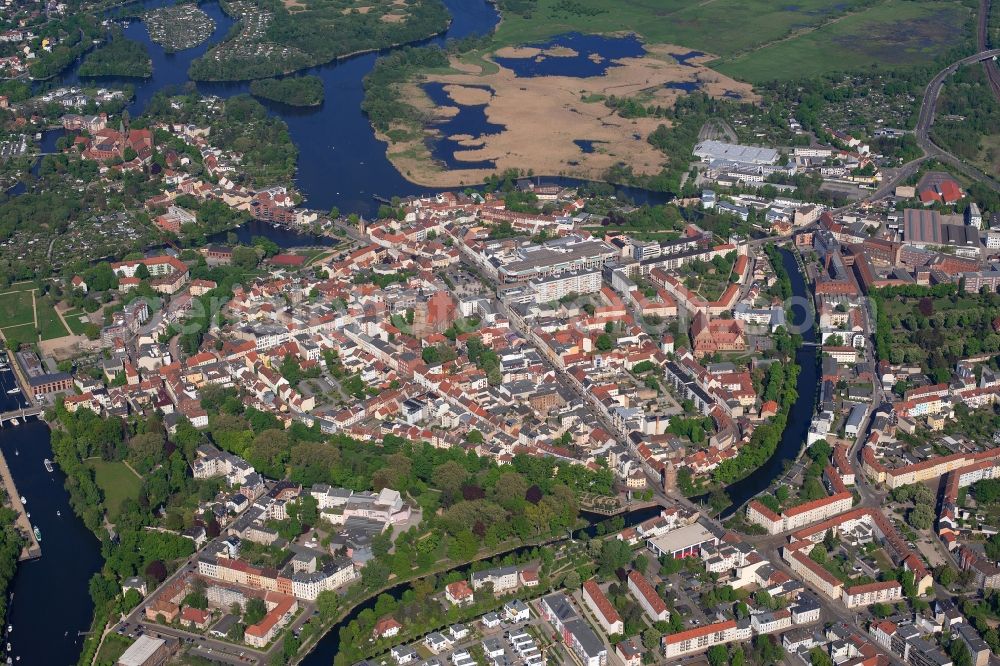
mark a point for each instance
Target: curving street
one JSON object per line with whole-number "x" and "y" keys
{"x": 926, "y": 119}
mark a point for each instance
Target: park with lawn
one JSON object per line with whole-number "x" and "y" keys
{"x": 117, "y": 481}
{"x": 26, "y": 318}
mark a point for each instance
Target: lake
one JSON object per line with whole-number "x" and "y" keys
{"x": 341, "y": 163}
{"x": 574, "y": 54}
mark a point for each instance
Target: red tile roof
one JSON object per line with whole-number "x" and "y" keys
{"x": 682, "y": 636}
{"x": 611, "y": 615}
{"x": 647, "y": 590}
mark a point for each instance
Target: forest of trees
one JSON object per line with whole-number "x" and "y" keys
{"x": 936, "y": 328}
{"x": 382, "y": 103}
{"x": 316, "y": 35}
{"x": 72, "y": 36}
{"x": 118, "y": 57}
{"x": 967, "y": 114}
{"x": 294, "y": 91}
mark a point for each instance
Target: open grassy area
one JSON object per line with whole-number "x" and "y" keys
{"x": 759, "y": 40}
{"x": 16, "y": 308}
{"x": 73, "y": 321}
{"x": 891, "y": 34}
{"x": 717, "y": 26}
{"x": 49, "y": 324}
{"x": 113, "y": 648}
{"x": 116, "y": 481}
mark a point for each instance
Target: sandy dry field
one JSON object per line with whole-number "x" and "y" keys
{"x": 544, "y": 115}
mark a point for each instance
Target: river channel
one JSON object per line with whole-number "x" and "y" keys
{"x": 800, "y": 416}
{"x": 341, "y": 163}
{"x": 329, "y": 645}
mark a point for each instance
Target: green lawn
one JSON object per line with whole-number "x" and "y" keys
{"x": 73, "y": 321}
{"x": 891, "y": 34}
{"x": 116, "y": 481}
{"x": 16, "y": 309}
{"x": 113, "y": 648}
{"x": 49, "y": 323}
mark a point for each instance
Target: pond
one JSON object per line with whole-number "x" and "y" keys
{"x": 574, "y": 54}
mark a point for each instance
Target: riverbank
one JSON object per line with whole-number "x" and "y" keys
{"x": 274, "y": 43}
{"x": 31, "y": 549}
{"x": 322, "y": 650}
{"x": 72, "y": 556}
{"x": 793, "y": 437}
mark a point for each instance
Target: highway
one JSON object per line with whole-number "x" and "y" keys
{"x": 926, "y": 119}
{"x": 982, "y": 41}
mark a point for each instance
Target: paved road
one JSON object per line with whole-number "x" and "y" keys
{"x": 926, "y": 119}
{"x": 982, "y": 39}
{"x": 219, "y": 650}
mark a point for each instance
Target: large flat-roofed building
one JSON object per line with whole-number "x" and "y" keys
{"x": 146, "y": 651}
{"x": 707, "y": 151}
{"x": 922, "y": 227}
{"x": 682, "y": 542}
{"x": 926, "y": 228}
{"x": 554, "y": 287}
{"x": 570, "y": 253}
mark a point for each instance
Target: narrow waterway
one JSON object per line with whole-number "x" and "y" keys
{"x": 794, "y": 436}
{"x": 328, "y": 646}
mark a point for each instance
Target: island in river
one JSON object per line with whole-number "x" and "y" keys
{"x": 178, "y": 27}
{"x": 118, "y": 57}
{"x": 294, "y": 91}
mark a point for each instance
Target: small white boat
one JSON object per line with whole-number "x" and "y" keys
{"x": 58, "y": 512}
{"x": 15, "y": 422}
{"x": 13, "y": 391}
{"x": 23, "y": 501}
{"x": 48, "y": 465}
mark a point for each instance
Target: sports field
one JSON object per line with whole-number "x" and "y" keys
{"x": 116, "y": 481}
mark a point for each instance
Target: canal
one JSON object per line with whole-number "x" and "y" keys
{"x": 51, "y": 602}
{"x": 800, "y": 416}
{"x": 328, "y": 646}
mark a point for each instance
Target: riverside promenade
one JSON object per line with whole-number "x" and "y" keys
{"x": 32, "y": 549}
